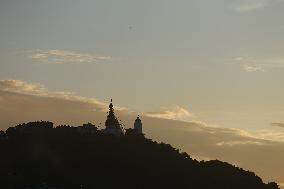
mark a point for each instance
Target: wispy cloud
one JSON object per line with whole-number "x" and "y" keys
{"x": 249, "y": 5}
{"x": 63, "y": 56}
{"x": 242, "y": 6}
{"x": 268, "y": 135}
{"x": 178, "y": 113}
{"x": 234, "y": 143}
{"x": 34, "y": 93}
{"x": 278, "y": 124}
{"x": 35, "y": 89}
{"x": 22, "y": 87}
{"x": 257, "y": 64}
{"x": 253, "y": 68}
{"x": 22, "y": 101}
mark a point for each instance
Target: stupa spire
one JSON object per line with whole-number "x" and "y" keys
{"x": 112, "y": 124}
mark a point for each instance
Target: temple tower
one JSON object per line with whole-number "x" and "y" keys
{"x": 112, "y": 124}
{"x": 138, "y": 125}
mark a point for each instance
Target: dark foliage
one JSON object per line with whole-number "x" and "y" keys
{"x": 83, "y": 157}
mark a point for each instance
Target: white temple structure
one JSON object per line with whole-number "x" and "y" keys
{"x": 138, "y": 125}
{"x": 112, "y": 124}
{"x": 114, "y": 127}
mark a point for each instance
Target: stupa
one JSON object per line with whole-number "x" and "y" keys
{"x": 112, "y": 124}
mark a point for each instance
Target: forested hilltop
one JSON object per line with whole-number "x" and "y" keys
{"x": 38, "y": 155}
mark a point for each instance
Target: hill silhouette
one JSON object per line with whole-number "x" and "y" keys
{"x": 84, "y": 157}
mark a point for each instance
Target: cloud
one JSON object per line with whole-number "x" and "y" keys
{"x": 243, "y": 6}
{"x": 278, "y": 124}
{"x": 249, "y": 150}
{"x": 178, "y": 113}
{"x": 233, "y": 143}
{"x": 18, "y": 87}
{"x": 258, "y": 65}
{"x": 63, "y": 57}
{"x": 253, "y": 68}
{"x": 265, "y": 134}
{"x": 262, "y": 151}
{"x": 250, "y": 5}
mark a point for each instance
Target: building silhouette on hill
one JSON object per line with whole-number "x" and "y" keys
{"x": 138, "y": 125}
{"x": 114, "y": 127}
{"x": 112, "y": 124}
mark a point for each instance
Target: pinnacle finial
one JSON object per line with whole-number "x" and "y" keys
{"x": 111, "y": 100}
{"x": 138, "y": 117}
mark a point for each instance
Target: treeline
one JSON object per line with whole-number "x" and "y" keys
{"x": 84, "y": 157}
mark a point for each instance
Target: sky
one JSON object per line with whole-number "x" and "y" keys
{"x": 204, "y": 75}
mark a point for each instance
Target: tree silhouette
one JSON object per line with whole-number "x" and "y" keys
{"x": 38, "y": 155}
